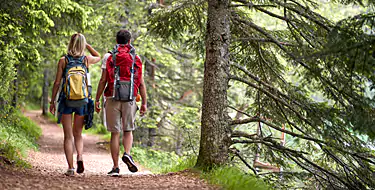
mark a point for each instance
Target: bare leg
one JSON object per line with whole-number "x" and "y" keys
{"x": 77, "y": 133}
{"x": 127, "y": 141}
{"x": 115, "y": 140}
{"x": 68, "y": 138}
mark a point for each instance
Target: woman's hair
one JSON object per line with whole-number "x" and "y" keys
{"x": 77, "y": 45}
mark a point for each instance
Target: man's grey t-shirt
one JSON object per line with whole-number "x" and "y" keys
{"x": 104, "y": 60}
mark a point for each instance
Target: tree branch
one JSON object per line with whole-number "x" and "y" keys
{"x": 272, "y": 96}
{"x": 259, "y": 8}
{"x": 236, "y": 152}
{"x": 244, "y": 121}
{"x": 239, "y": 111}
{"x": 304, "y": 14}
{"x": 243, "y": 134}
{"x": 317, "y": 72}
{"x": 264, "y": 40}
{"x": 257, "y": 79}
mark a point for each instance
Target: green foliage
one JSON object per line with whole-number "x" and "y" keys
{"x": 159, "y": 161}
{"x": 232, "y": 178}
{"x": 183, "y": 163}
{"x": 187, "y": 26}
{"x": 99, "y": 129}
{"x": 18, "y": 134}
{"x": 32, "y": 32}
{"x": 32, "y": 106}
{"x": 51, "y": 118}
{"x": 156, "y": 161}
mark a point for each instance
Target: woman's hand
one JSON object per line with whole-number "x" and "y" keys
{"x": 97, "y": 106}
{"x": 95, "y": 56}
{"x": 52, "y": 108}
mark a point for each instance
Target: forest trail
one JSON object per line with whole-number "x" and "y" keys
{"x": 49, "y": 165}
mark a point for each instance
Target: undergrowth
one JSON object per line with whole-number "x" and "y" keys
{"x": 18, "y": 134}
{"x": 233, "y": 178}
{"x": 227, "y": 177}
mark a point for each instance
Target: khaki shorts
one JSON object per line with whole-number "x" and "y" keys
{"x": 120, "y": 116}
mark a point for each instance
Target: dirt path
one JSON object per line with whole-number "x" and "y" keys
{"x": 49, "y": 165}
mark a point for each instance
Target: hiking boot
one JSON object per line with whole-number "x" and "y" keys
{"x": 80, "y": 167}
{"x": 70, "y": 172}
{"x": 115, "y": 172}
{"x": 128, "y": 160}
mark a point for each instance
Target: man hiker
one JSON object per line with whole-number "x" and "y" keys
{"x": 121, "y": 78}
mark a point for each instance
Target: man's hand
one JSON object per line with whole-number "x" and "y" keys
{"x": 143, "y": 109}
{"x": 97, "y": 106}
{"x": 52, "y": 108}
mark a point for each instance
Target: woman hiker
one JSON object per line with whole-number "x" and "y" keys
{"x": 72, "y": 71}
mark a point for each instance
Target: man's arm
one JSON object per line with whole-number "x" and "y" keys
{"x": 142, "y": 89}
{"x": 99, "y": 92}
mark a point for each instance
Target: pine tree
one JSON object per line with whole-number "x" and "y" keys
{"x": 310, "y": 75}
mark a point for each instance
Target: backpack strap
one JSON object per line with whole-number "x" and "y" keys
{"x": 117, "y": 69}
{"x": 67, "y": 60}
{"x": 86, "y": 61}
{"x": 132, "y": 71}
{"x": 83, "y": 59}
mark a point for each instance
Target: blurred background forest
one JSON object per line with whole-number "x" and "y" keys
{"x": 169, "y": 36}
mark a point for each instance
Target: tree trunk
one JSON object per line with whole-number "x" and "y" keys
{"x": 45, "y": 93}
{"x": 151, "y": 137}
{"x": 15, "y": 87}
{"x": 151, "y": 131}
{"x": 179, "y": 140}
{"x": 215, "y": 130}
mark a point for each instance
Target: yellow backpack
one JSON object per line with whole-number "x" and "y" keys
{"x": 75, "y": 86}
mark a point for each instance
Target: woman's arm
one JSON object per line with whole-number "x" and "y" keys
{"x": 56, "y": 84}
{"x": 94, "y": 57}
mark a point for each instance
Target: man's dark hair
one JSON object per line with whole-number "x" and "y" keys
{"x": 123, "y": 37}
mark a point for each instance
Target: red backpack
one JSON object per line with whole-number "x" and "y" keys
{"x": 123, "y": 73}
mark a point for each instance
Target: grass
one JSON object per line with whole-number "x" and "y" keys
{"x": 99, "y": 129}
{"x": 232, "y": 178}
{"x": 18, "y": 134}
{"x": 183, "y": 163}
{"x": 161, "y": 161}
{"x": 51, "y": 117}
{"x": 32, "y": 106}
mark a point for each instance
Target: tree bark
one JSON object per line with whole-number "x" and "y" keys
{"x": 45, "y": 93}
{"x": 151, "y": 137}
{"x": 179, "y": 140}
{"x": 15, "y": 87}
{"x": 151, "y": 73}
{"x": 215, "y": 130}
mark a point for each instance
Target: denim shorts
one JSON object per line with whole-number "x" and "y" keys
{"x": 69, "y": 110}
